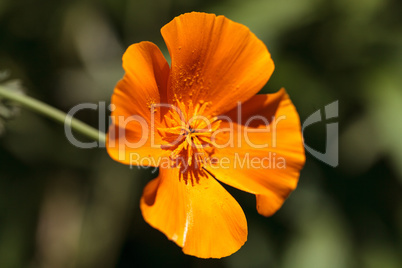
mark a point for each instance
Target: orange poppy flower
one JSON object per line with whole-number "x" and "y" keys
{"x": 200, "y": 121}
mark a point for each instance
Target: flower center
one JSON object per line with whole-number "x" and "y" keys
{"x": 189, "y": 137}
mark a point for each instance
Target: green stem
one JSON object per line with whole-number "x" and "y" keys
{"x": 52, "y": 112}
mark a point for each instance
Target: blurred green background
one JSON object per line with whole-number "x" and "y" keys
{"x": 61, "y": 206}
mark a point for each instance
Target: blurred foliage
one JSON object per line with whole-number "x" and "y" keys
{"x": 61, "y": 206}
{"x": 8, "y": 110}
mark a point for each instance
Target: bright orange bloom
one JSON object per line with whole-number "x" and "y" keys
{"x": 187, "y": 120}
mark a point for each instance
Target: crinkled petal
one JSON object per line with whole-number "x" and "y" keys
{"x": 132, "y": 138}
{"x": 265, "y": 154}
{"x": 202, "y": 218}
{"x": 215, "y": 60}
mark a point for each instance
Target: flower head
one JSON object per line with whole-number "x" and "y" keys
{"x": 200, "y": 120}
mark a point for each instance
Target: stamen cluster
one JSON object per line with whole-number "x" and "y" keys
{"x": 189, "y": 135}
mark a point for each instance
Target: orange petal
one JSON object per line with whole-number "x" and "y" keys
{"x": 129, "y": 139}
{"x": 215, "y": 60}
{"x": 203, "y": 219}
{"x": 271, "y": 172}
